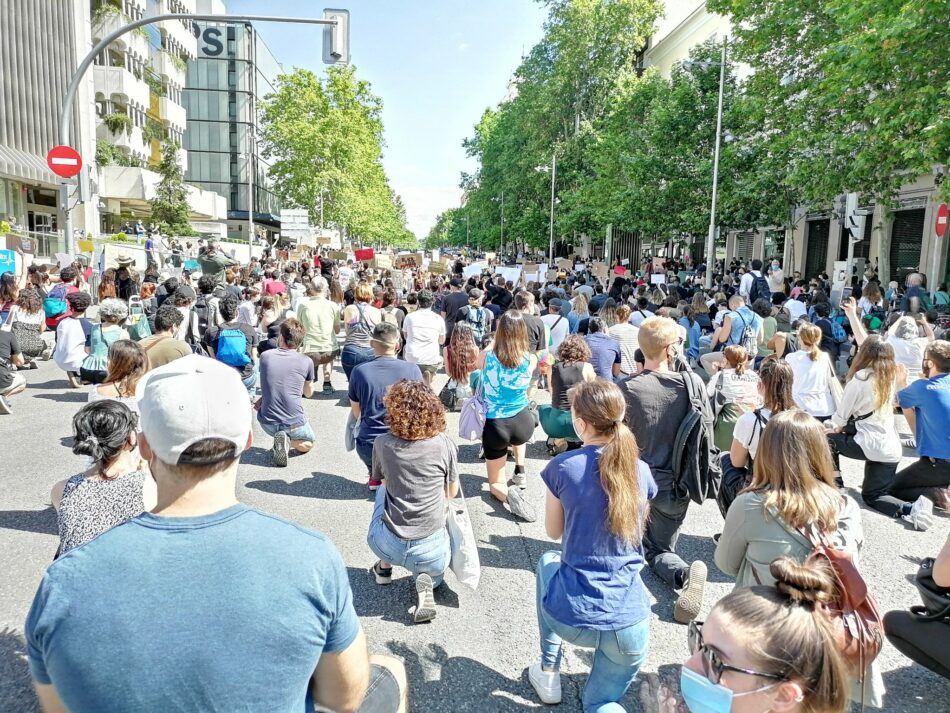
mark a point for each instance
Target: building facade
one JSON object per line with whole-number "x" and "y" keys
{"x": 816, "y": 241}
{"x": 233, "y": 70}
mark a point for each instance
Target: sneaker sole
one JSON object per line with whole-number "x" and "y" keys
{"x": 5, "y": 407}
{"x": 519, "y": 508}
{"x": 690, "y": 601}
{"x": 280, "y": 450}
{"x": 425, "y": 600}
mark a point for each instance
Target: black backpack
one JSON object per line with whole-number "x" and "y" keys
{"x": 760, "y": 289}
{"x": 696, "y": 469}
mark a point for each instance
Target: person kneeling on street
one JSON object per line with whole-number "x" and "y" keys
{"x": 417, "y": 464}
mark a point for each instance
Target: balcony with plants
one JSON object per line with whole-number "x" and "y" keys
{"x": 108, "y": 16}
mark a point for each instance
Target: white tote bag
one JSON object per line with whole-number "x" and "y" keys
{"x": 464, "y": 562}
{"x": 350, "y": 430}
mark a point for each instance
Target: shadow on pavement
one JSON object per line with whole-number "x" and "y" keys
{"x": 16, "y": 690}
{"x": 41, "y": 521}
{"x": 69, "y": 397}
{"x": 325, "y": 486}
{"x": 435, "y": 677}
{"x": 392, "y": 602}
{"x": 513, "y": 552}
{"x": 699, "y": 547}
{"x": 899, "y": 682}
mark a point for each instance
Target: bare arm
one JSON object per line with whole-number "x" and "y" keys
{"x": 355, "y": 408}
{"x": 452, "y": 489}
{"x": 553, "y": 516}
{"x": 941, "y": 572}
{"x": 851, "y": 311}
{"x": 307, "y": 389}
{"x": 724, "y": 332}
{"x": 739, "y": 454}
{"x": 49, "y": 699}
{"x": 56, "y": 495}
{"x": 587, "y": 372}
{"x": 341, "y": 678}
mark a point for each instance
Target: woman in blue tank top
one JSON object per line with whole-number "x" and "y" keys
{"x": 507, "y": 366}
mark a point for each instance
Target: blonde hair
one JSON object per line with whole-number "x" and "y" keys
{"x": 657, "y": 333}
{"x": 877, "y": 356}
{"x": 793, "y": 468}
{"x": 579, "y": 304}
{"x": 363, "y": 292}
{"x": 809, "y": 336}
{"x": 601, "y": 405}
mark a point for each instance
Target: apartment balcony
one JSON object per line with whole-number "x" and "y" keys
{"x": 168, "y": 67}
{"x": 133, "y": 188}
{"x": 118, "y": 81}
{"x": 133, "y": 142}
{"x": 175, "y": 29}
{"x": 133, "y": 41}
{"x": 172, "y": 113}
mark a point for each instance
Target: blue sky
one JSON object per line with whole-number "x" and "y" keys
{"x": 437, "y": 64}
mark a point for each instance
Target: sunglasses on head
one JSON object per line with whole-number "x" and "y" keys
{"x": 713, "y": 665}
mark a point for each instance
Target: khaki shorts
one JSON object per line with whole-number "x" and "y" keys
{"x": 321, "y": 358}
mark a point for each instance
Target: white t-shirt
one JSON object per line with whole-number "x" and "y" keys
{"x": 423, "y": 329}
{"x": 795, "y": 309}
{"x": 345, "y": 275}
{"x": 70, "y": 344}
{"x": 749, "y": 428}
{"x": 736, "y": 388}
{"x": 247, "y": 313}
{"x": 19, "y": 315}
{"x": 559, "y": 333}
{"x": 637, "y": 316}
{"x": 628, "y": 337}
{"x": 876, "y": 434}
{"x": 811, "y": 383}
{"x": 910, "y": 353}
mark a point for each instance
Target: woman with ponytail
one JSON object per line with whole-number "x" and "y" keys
{"x": 816, "y": 388}
{"x": 591, "y": 593}
{"x": 769, "y": 648}
{"x": 115, "y": 488}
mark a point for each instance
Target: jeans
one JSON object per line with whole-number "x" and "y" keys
{"x": 430, "y": 555}
{"x": 297, "y": 433}
{"x": 918, "y": 478}
{"x": 365, "y": 452}
{"x": 351, "y": 357}
{"x": 618, "y": 654}
{"x": 250, "y": 382}
{"x": 878, "y": 477}
{"x": 667, "y": 512}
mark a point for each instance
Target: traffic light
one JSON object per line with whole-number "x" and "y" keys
{"x": 336, "y": 38}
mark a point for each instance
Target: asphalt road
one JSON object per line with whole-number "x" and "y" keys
{"x": 473, "y": 656}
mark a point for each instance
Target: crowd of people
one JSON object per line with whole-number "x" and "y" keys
{"x": 750, "y": 393}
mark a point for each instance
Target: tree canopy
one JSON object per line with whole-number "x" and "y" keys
{"x": 327, "y": 135}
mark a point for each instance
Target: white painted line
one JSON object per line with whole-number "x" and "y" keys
{"x": 64, "y": 161}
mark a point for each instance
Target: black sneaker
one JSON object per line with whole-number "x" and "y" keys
{"x": 383, "y": 575}
{"x": 281, "y": 449}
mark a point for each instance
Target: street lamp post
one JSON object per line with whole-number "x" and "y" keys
{"x": 109, "y": 39}
{"x": 711, "y": 238}
{"x": 553, "y": 169}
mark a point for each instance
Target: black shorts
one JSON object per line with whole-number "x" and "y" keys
{"x": 499, "y": 433}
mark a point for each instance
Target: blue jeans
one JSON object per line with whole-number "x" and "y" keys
{"x": 618, "y": 654}
{"x": 365, "y": 452}
{"x": 430, "y": 555}
{"x": 351, "y": 357}
{"x": 250, "y": 382}
{"x": 297, "y": 433}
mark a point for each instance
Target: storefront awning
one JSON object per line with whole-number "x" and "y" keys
{"x": 25, "y": 166}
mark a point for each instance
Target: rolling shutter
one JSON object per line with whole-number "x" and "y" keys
{"x": 816, "y": 256}
{"x": 906, "y": 243}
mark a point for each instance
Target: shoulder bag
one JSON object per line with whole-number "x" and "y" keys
{"x": 473, "y": 415}
{"x": 464, "y": 561}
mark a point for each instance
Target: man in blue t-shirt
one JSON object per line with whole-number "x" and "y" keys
{"x": 604, "y": 350}
{"x": 738, "y": 319}
{"x": 368, "y": 384}
{"x": 204, "y": 603}
{"x": 926, "y": 406}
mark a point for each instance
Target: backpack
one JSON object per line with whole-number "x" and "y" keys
{"x": 477, "y": 324}
{"x": 207, "y": 313}
{"x": 749, "y": 339}
{"x": 55, "y": 302}
{"x": 232, "y": 347}
{"x": 855, "y": 615}
{"x": 837, "y": 329}
{"x": 695, "y": 463}
{"x": 875, "y": 319}
{"x": 726, "y": 415}
{"x": 760, "y": 289}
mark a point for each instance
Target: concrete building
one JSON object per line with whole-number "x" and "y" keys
{"x": 817, "y": 241}
{"x": 42, "y": 44}
{"x": 233, "y": 70}
{"x": 139, "y": 80}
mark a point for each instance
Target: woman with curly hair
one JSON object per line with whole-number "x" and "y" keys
{"x": 418, "y": 466}
{"x": 572, "y": 367}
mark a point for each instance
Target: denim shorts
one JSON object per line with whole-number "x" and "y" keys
{"x": 298, "y": 433}
{"x": 382, "y": 693}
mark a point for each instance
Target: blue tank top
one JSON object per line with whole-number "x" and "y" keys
{"x": 505, "y": 390}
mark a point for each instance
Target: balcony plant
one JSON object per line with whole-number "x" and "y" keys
{"x": 117, "y": 122}
{"x": 153, "y": 131}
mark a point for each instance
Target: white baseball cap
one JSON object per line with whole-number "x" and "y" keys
{"x": 189, "y": 400}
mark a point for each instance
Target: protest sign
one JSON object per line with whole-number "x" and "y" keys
{"x": 365, "y": 254}
{"x": 473, "y": 270}
{"x": 511, "y": 274}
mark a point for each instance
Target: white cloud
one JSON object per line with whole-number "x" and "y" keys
{"x": 463, "y": 47}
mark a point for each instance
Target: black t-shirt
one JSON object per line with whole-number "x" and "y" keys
{"x": 451, "y": 304}
{"x": 8, "y": 348}
{"x": 536, "y": 333}
{"x": 500, "y": 296}
{"x": 250, "y": 336}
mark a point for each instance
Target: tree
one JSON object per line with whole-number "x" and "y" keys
{"x": 170, "y": 208}
{"x": 328, "y": 134}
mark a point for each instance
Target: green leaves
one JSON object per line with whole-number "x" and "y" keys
{"x": 327, "y": 135}
{"x": 170, "y": 204}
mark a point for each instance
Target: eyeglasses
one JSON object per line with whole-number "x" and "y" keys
{"x": 712, "y": 662}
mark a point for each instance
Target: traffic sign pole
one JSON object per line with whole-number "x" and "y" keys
{"x": 940, "y": 229}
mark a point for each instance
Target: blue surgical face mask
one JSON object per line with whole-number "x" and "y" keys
{"x": 703, "y": 696}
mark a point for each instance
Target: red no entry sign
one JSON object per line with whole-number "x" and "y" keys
{"x": 64, "y": 161}
{"x": 940, "y": 224}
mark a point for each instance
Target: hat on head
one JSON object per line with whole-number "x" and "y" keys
{"x": 189, "y": 400}
{"x": 186, "y": 291}
{"x": 556, "y": 303}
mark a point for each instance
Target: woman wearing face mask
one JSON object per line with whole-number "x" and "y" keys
{"x": 591, "y": 593}
{"x": 115, "y": 488}
{"x": 768, "y": 648}
{"x": 776, "y": 277}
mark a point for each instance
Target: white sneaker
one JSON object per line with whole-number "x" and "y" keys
{"x": 921, "y": 514}
{"x": 690, "y": 601}
{"x": 5, "y": 406}
{"x": 547, "y": 684}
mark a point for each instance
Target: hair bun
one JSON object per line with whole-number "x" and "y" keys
{"x": 88, "y": 447}
{"x": 804, "y": 583}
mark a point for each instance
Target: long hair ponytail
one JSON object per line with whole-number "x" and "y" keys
{"x": 810, "y": 337}
{"x": 601, "y": 405}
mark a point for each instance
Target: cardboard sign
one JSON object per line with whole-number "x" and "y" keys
{"x": 599, "y": 270}
{"x": 473, "y": 270}
{"x": 438, "y": 268}
{"x": 511, "y": 274}
{"x": 365, "y": 254}
{"x": 337, "y": 255}
{"x": 564, "y": 264}
{"x": 324, "y": 241}
{"x": 407, "y": 260}
{"x": 489, "y": 256}
{"x": 551, "y": 274}
{"x": 383, "y": 262}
